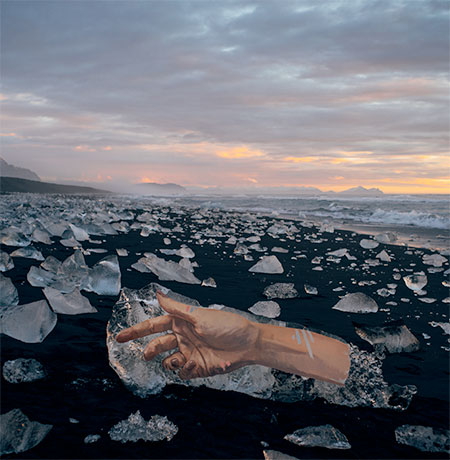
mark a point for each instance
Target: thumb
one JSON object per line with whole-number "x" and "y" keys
{"x": 181, "y": 310}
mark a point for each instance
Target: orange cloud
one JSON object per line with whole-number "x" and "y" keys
{"x": 300, "y": 159}
{"x": 8, "y": 134}
{"x": 84, "y": 148}
{"x": 239, "y": 152}
{"x": 108, "y": 147}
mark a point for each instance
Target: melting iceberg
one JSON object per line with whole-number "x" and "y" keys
{"x": 30, "y": 323}
{"x": 136, "y": 428}
{"x": 19, "y": 433}
{"x": 319, "y": 436}
{"x": 23, "y": 370}
{"x": 365, "y": 385}
{"x": 357, "y": 302}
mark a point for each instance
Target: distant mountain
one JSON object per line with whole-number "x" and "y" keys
{"x": 7, "y": 170}
{"x": 15, "y": 184}
{"x": 361, "y": 191}
{"x": 153, "y": 188}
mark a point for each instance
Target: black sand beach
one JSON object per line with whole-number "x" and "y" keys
{"x": 214, "y": 424}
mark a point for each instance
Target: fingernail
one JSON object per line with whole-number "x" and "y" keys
{"x": 123, "y": 336}
{"x": 174, "y": 362}
{"x": 190, "y": 365}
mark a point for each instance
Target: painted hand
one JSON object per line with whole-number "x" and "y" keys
{"x": 209, "y": 341}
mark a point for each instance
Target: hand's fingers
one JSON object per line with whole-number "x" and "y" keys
{"x": 147, "y": 327}
{"x": 174, "y": 362}
{"x": 188, "y": 371}
{"x": 162, "y": 343}
{"x": 181, "y": 310}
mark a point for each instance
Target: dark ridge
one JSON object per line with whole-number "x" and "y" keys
{"x": 14, "y": 184}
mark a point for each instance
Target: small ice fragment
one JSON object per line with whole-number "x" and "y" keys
{"x": 394, "y": 337}
{"x": 445, "y": 326}
{"x": 29, "y": 323}
{"x": 167, "y": 241}
{"x": 41, "y": 236}
{"x": 91, "y": 438}
{"x": 446, "y": 300}
{"x": 279, "y": 250}
{"x": 386, "y": 238}
{"x": 316, "y": 260}
{"x": 267, "y": 308}
{"x": 383, "y": 292}
{"x": 383, "y": 256}
{"x": 357, "y": 302}
{"x": 319, "y": 436}
{"x": 415, "y": 282}
{"x": 318, "y": 269}
{"x": 427, "y": 299}
{"x": 23, "y": 370}
{"x": 6, "y": 263}
{"x": 8, "y": 292}
{"x": 424, "y": 438}
{"x": 19, "y": 433}
{"x": 70, "y": 243}
{"x": 267, "y": 264}
{"x": 73, "y": 420}
{"x": 446, "y": 283}
{"x": 122, "y": 252}
{"x": 28, "y": 253}
{"x": 280, "y": 291}
{"x": 368, "y": 244}
{"x": 253, "y": 239}
{"x": 209, "y": 282}
{"x": 436, "y": 260}
{"x": 135, "y": 428}
{"x": 51, "y": 264}
{"x": 338, "y": 253}
{"x": 277, "y": 455}
{"x": 426, "y": 336}
{"x": 311, "y": 290}
{"x": 185, "y": 253}
{"x": 72, "y": 303}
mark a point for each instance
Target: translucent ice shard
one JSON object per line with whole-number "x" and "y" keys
{"x": 311, "y": 290}
{"x": 41, "y": 236}
{"x": 436, "y": 260}
{"x": 23, "y": 370}
{"x": 394, "y": 337}
{"x": 383, "y": 256}
{"x": 386, "y": 238}
{"x": 72, "y": 303}
{"x": 91, "y": 438}
{"x": 424, "y": 438}
{"x": 104, "y": 277}
{"x": 280, "y": 291}
{"x": 72, "y": 272}
{"x": 268, "y": 308}
{"x": 51, "y": 264}
{"x": 368, "y": 244}
{"x": 70, "y": 243}
{"x": 29, "y": 323}
{"x": 122, "y": 252}
{"x": 357, "y": 302}
{"x": 166, "y": 270}
{"x": 415, "y": 282}
{"x": 209, "y": 282}
{"x": 267, "y": 264}
{"x": 19, "y": 433}
{"x": 6, "y": 263}
{"x": 78, "y": 233}
{"x": 277, "y": 455}
{"x": 136, "y": 428}
{"x": 444, "y": 326}
{"x": 28, "y": 253}
{"x": 8, "y": 292}
{"x": 319, "y": 436}
{"x": 14, "y": 237}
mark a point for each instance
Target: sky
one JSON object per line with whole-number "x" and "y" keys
{"x": 212, "y": 94}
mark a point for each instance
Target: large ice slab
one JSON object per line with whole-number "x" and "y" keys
{"x": 14, "y": 237}
{"x": 135, "y": 428}
{"x": 8, "y": 292}
{"x": 19, "y": 433}
{"x": 365, "y": 385}
{"x": 28, "y": 253}
{"x": 424, "y": 438}
{"x": 319, "y": 436}
{"x": 72, "y": 303}
{"x": 165, "y": 270}
{"x": 23, "y": 370}
{"x": 357, "y": 302}
{"x": 267, "y": 264}
{"x": 393, "y": 338}
{"x": 104, "y": 277}
{"x": 29, "y": 323}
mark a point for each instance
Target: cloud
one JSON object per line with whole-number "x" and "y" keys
{"x": 239, "y": 152}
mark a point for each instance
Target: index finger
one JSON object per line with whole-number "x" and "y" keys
{"x": 147, "y": 327}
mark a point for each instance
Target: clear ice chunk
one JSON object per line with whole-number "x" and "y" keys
{"x": 267, "y": 308}
{"x": 23, "y": 370}
{"x": 277, "y": 455}
{"x": 122, "y": 252}
{"x": 8, "y": 292}
{"x": 91, "y": 438}
{"x": 166, "y": 270}
{"x": 424, "y": 438}
{"x": 70, "y": 243}
{"x": 364, "y": 386}
{"x": 386, "y": 238}
{"x": 368, "y": 244}
{"x": 136, "y": 428}
{"x": 393, "y": 338}
{"x": 280, "y": 291}
{"x": 444, "y": 326}
{"x": 415, "y": 282}
{"x": 383, "y": 256}
{"x": 51, "y": 264}
{"x": 357, "y": 302}
{"x": 14, "y": 237}
{"x": 38, "y": 277}
{"x": 19, "y": 433}
{"x": 319, "y": 436}
{"x": 209, "y": 282}
{"x": 29, "y": 323}
{"x": 267, "y": 264}
{"x": 436, "y": 260}
{"x": 6, "y": 263}
{"x": 310, "y": 290}
{"x": 28, "y": 253}
{"x": 72, "y": 303}
{"x": 41, "y": 236}
{"x": 104, "y": 277}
